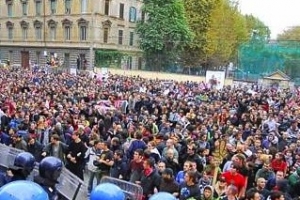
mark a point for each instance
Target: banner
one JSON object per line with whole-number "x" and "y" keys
{"x": 215, "y": 79}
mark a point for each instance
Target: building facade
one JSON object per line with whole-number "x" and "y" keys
{"x": 32, "y": 31}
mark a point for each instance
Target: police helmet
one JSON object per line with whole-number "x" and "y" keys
{"x": 50, "y": 168}
{"x": 30, "y": 191}
{"x": 162, "y": 195}
{"x": 24, "y": 161}
{"x": 107, "y": 191}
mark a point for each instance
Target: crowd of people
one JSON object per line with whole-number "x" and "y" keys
{"x": 183, "y": 138}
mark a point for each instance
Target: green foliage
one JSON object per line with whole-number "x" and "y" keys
{"x": 219, "y": 30}
{"x": 198, "y": 13}
{"x": 108, "y": 58}
{"x": 292, "y": 34}
{"x": 226, "y": 32}
{"x": 256, "y": 28}
{"x": 164, "y": 33}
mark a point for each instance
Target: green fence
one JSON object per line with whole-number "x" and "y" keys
{"x": 258, "y": 59}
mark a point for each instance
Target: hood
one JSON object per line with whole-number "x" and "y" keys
{"x": 209, "y": 188}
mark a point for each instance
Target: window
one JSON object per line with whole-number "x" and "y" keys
{"x": 67, "y": 33}
{"x": 38, "y": 33}
{"x": 38, "y": 29}
{"x": 82, "y": 33}
{"x": 52, "y": 33}
{"x": 10, "y": 33}
{"x": 9, "y": 10}
{"x": 67, "y": 6}
{"x": 129, "y": 63}
{"x": 131, "y": 36}
{"x": 24, "y": 8}
{"x": 53, "y": 7}
{"x": 132, "y": 14}
{"x": 143, "y": 16}
{"x": 106, "y": 7}
{"x": 83, "y": 6}
{"x": 38, "y": 8}
{"x": 67, "y": 24}
{"x": 105, "y": 35}
{"x": 24, "y": 33}
{"x": 120, "y": 41}
{"x": 121, "y": 11}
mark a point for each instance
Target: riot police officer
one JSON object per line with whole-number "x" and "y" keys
{"x": 25, "y": 190}
{"x": 50, "y": 169}
{"x": 107, "y": 191}
{"x": 23, "y": 165}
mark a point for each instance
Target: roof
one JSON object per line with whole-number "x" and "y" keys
{"x": 278, "y": 75}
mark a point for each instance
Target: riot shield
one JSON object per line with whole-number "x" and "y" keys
{"x": 8, "y": 155}
{"x": 132, "y": 191}
{"x": 71, "y": 187}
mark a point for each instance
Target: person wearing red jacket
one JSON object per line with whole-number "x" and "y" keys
{"x": 279, "y": 163}
{"x": 232, "y": 177}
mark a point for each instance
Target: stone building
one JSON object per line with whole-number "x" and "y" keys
{"x": 32, "y": 31}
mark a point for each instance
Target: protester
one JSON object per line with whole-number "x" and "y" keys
{"x": 250, "y": 133}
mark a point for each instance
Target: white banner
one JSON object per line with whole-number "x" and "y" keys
{"x": 215, "y": 79}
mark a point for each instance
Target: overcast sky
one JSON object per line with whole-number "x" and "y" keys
{"x": 278, "y": 15}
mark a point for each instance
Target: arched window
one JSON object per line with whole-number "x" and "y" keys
{"x": 38, "y": 29}
{"x": 24, "y": 26}
{"x": 83, "y": 26}
{"x": 132, "y": 14}
{"x": 10, "y": 27}
{"x": 67, "y": 24}
{"x": 52, "y": 29}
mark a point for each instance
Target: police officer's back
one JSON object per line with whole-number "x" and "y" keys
{"x": 49, "y": 171}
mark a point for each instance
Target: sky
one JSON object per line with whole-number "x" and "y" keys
{"x": 278, "y": 15}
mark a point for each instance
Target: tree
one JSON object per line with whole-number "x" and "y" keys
{"x": 164, "y": 33}
{"x": 257, "y": 29}
{"x": 198, "y": 14}
{"x": 108, "y": 58}
{"x": 226, "y": 32}
{"x": 290, "y": 35}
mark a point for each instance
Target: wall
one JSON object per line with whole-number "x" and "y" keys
{"x": 160, "y": 75}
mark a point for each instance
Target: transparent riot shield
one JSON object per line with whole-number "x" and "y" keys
{"x": 71, "y": 187}
{"x": 8, "y": 155}
{"x": 132, "y": 191}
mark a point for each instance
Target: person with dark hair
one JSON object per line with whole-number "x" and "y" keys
{"x": 35, "y": 148}
{"x": 75, "y": 156}
{"x": 194, "y": 157}
{"x": 189, "y": 189}
{"x": 136, "y": 166}
{"x": 233, "y": 177}
{"x": 276, "y": 195}
{"x": 119, "y": 168}
{"x": 55, "y": 148}
{"x": 138, "y": 143}
{"x": 168, "y": 183}
{"x": 253, "y": 195}
{"x": 105, "y": 160}
{"x": 150, "y": 179}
